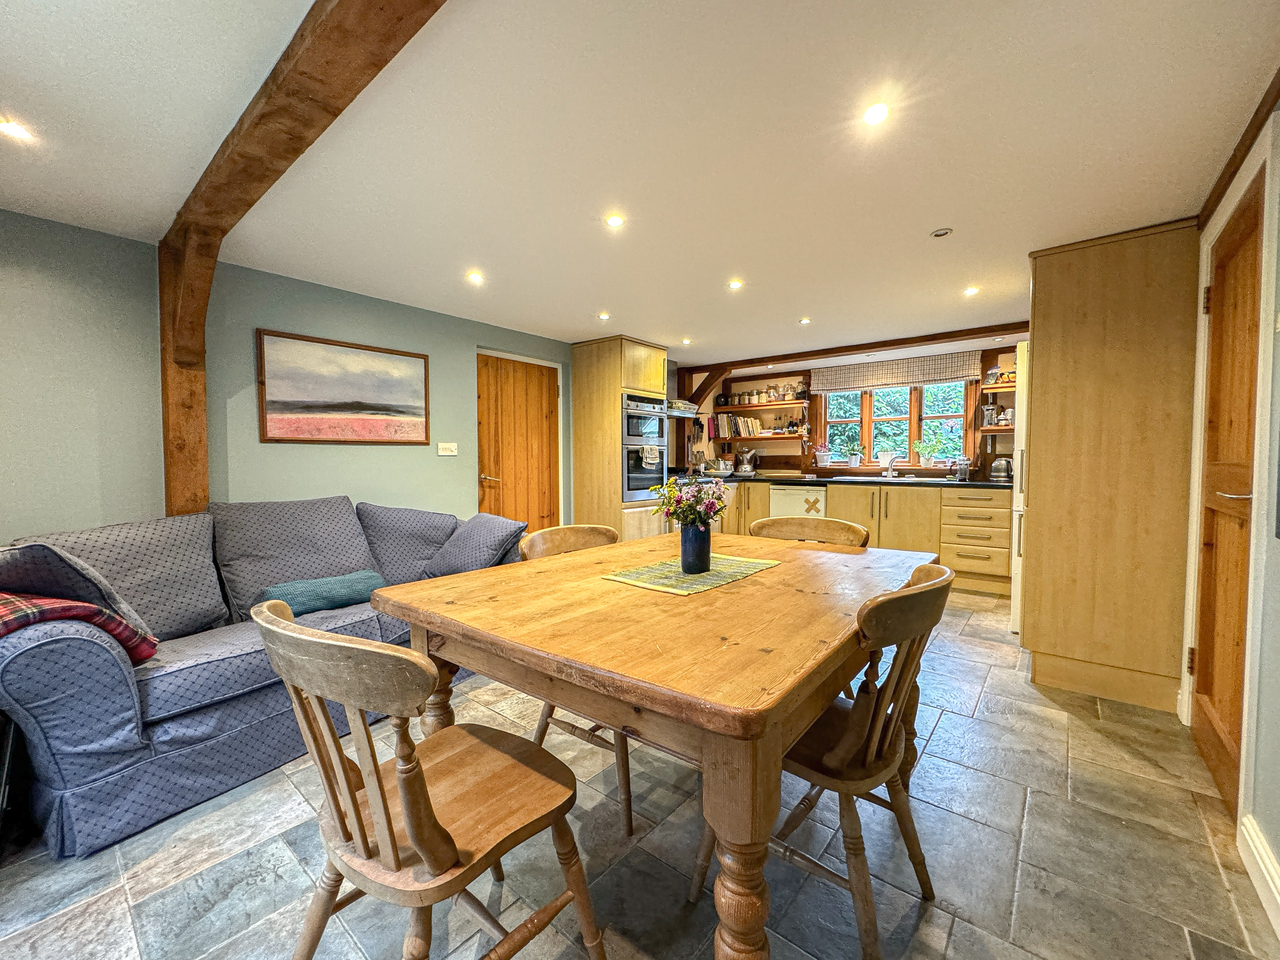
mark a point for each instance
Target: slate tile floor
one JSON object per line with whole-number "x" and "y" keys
{"x": 1056, "y": 826}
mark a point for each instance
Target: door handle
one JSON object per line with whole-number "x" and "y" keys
{"x": 1022, "y": 469}
{"x": 884, "y": 502}
{"x": 975, "y": 536}
{"x": 494, "y": 479}
{"x": 974, "y": 556}
{"x": 1021, "y": 520}
{"x": 963, "y": 497}
{"x": 873, "y": 504}
{"x": 1235, "y": 496}
{"x": 974, "y": 516}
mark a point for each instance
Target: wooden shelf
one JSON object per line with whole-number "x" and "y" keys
{"x": 772, "y": 436}
{"x": 995, "y": 430}
{"x": 1007, "y": 387}
{"x": 748, "y": 407}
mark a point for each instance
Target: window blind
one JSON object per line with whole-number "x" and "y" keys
{"x": 897, "y": 373}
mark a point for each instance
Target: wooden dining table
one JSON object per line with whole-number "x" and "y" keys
{"x": 727, "y": 679}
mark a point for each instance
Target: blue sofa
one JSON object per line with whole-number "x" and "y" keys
{"x": 116, "y": 748}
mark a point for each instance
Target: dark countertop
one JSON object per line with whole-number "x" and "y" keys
{"x": 867, "y": 481}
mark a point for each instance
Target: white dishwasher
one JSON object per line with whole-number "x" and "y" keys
{"x": 788, "y": 501}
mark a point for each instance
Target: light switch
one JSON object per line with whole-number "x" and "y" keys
{"x": 447, "y": 449}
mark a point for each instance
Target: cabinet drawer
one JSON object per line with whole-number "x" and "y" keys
{"x": 976, "y": 516}
{"x": 975, "y": 536}
{"x": 967, "y": 559}
{"x": 978, "y": 498}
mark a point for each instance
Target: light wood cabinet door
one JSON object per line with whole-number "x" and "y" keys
{"x": 644, "y": 368}
{"x": 754, "y": 504}
{"x": 856, "y": 504}
{"x": 910, "y": 518}
{"x": 638, "y": 522}
{"x": 730, "y": 520}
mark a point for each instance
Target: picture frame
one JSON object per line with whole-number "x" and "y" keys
{"x": 315, "y": 390}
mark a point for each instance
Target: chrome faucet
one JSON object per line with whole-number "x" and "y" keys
{"x": 889, "y": 473}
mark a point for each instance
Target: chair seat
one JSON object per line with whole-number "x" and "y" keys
{"x": 804, "y": 759}
{"x": 490, "y": 789}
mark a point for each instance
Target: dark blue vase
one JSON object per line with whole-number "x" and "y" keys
{"x": 695, "y": 548}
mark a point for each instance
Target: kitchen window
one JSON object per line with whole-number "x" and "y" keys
{"x": 893, "y": 418}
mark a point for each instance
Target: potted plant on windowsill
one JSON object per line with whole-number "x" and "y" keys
{"x": 694, "y": 506}
{"x": 821, "y": 455}
{"x": 927, "y": 450}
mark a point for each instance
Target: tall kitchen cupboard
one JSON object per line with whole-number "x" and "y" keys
{"x": 603, "y": 370}
{"x": 1107, "y": 468}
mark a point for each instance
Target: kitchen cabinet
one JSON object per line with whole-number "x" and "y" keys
{"x": 754, "y": 504}
{"x": 910, "y": 518}
{"x": 644, "y": 367}
{"x": 797, "y": 501}
{"x": 856, "y": 504}
{"x": 639, "y": 522}
{"x": 729, "y": 521}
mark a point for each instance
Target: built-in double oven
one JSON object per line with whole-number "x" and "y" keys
{"x": 644, "y": 446}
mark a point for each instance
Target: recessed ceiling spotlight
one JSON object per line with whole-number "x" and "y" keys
{"x": 805, "y": 321}
{"x": 686, "y": 341}
{"x": 942, "y": 232}
{"x": 476, "y": 277}
{"x": 876, "y": 114}
{"x": 999, "y": 339}
{"x": 970, "y": 291}
{"x": 16, "y": 130}
{"x": 604, "y": 316}
{"x": 770, "y": 367}
{"x": 735, "y": 284}
{"x": 615, "y": 220}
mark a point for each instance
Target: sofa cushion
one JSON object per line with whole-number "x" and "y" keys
{"x": 46, "y": 571}
{"x": 480, "y": 542}
{"x": 404, "y": 540}
{"x": 206, "y": 668}
{"x": 258, "y": 545}
{"x": 326, "y": 593}
{"x": 162, "y": 568}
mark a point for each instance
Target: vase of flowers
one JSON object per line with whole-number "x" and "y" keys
{"x": 694, "y": 506}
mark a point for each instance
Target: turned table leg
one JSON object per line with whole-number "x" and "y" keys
{"x": 741, "y": 783}
{"x": 439, "y": 710}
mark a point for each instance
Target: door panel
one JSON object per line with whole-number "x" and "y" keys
{"x": 1227, "y": 477}
{"x": 519, "y": 437}
{"x": 910, "y": 518}
{"x": 856, "y": 504}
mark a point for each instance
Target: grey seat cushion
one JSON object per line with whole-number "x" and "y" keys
{"x": 162, "y": 568}
{"x": 403, "y": 540}
{"x": 481, "y": 542}
{"x": 206, "y": 668}
{"x": 258, "y": 545}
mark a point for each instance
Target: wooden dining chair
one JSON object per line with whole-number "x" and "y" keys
{"x": 858, "y": 745}
{"x": 415, "y": 830}
{"x": 548, "y": 543}
{"x": 817, "y": 529}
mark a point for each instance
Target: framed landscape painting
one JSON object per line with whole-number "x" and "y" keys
{"x": 324, "y": 391}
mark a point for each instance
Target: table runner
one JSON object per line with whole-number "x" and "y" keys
{"x": 667, "y": 577}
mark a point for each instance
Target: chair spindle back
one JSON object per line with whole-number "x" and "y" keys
{"x": 903, "y": 619}
{"x": 361, "y": 675}
{"x": 565, "y": 539}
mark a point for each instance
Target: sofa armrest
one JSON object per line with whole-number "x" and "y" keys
{"x": 70, "y": 687}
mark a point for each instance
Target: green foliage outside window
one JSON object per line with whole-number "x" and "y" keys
{"x": 891, "y": 402}
{"x": 890, "y": 436}
{"x": 844, "y": 406}
{"x": 950, "y": 432}
{"x": 942, "y": 398}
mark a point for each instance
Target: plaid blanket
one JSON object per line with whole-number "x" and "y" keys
{"x": 18, "y": 610}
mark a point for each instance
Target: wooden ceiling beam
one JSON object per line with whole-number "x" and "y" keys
{"x": 709, "y": 382}
{"x": 339, "y": 47}
{"x": 879, "y": 346}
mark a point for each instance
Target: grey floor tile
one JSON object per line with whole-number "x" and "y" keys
{"x": 953, "y": 620}
{"x": 927, "y": 718}
{"x": 821, "y": 923}
{"x": 1170, "y": 757}
{"x": 1033, "y": 758}
{"x": 973, "y": 648}
{"x": 1021, "y": 715}
{"x": 949, "y": 693}
{"x": 1203, "y": 948}
{"x": 550, "y": 944}
{"x": 955, "y": 667}
{"x": 675, "y": 840}
{"x": 200, "y": 837}
{"x": 187, "y": 919}
{"x": 982, "y": 626}
{"x": 39, "y": 886}
{"x": 1061, "y": 920}
{"x": 971, "y": 793}
{"x": 490, "y": 694}
{"x": 304, "y": 842}
{"x": 521, "y": 708}
{"x": 468, "y": 710}
{"x": 827, "y": 811}
{"x": 1220, "y": 827}
{"x": 1168, "y": 808}
{"x": 1143, "y": 718}
{"x": 473, "y": 682}
{"x": 276, "y": 937}
{"x": 780, "y": 948}
{"x": 659, "y": 783}
{"x": 972, "y": 866}
{"x": 1126, "y": 860}
{"x": 973, "y": 602}
{"x": 584, "y": 759}
{"x": 97, "y": 929}
{"x": 971, "y": 943}
{"x": 1016, "y": 685}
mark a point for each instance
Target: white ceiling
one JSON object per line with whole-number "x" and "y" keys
{"x": 726, "y": 131}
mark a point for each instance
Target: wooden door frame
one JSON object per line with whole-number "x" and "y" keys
{"x": 1264, "y": 153}
{"x": 565, "y": 433}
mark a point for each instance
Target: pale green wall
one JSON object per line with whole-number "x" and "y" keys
{"x": 242, "y": 468}
{"x": 79, "y": 379}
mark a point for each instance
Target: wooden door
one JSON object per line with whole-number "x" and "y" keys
{"x": 754, "y": 505}
{"x": 858, "y": 504}
{"x": 518, "y": 411}
{"x": 1226, "y": 492}
{"x": 910, "y": 518}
